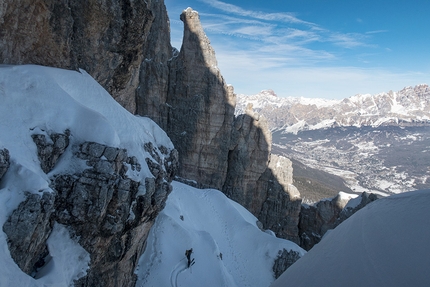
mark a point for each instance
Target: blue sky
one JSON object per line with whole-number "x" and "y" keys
{"x": 315, "y": 48}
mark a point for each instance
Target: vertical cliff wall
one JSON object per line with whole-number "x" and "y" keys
{"x": 200, "y": 107}
{"x": 105, "y": 38}
{"x": 151, "y": 94}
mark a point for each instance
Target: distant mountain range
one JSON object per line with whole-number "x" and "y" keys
{"x": 376, "y": 143}
{"x": 410, "y": 106}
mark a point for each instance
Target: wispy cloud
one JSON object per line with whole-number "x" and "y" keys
{"x": 348, "y": 40}
{"x": 233, "y": 9}
{"x": 275, "y": 28}
{"x": 377, "y": 32}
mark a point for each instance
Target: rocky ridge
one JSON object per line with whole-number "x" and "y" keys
{"x": 102, "y": 206}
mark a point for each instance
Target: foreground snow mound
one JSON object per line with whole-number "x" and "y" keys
{"x": 384, "y": 244}
{"x": 228, "y": 248}
{"x": 42, "y": 100}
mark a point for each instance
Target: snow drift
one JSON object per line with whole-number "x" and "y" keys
{"x": 384, "y": 244}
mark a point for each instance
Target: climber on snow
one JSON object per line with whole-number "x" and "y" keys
{"x": 188, "y": 255}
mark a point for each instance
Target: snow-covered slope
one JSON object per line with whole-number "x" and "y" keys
{"x": 228, "y": 247}
{"x": 43, "y": 100}
{"x": 35, "y": 98}
{"x": 384, "y": 244}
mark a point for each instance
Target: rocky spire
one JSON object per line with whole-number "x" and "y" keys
{"x": 201, "y": 107}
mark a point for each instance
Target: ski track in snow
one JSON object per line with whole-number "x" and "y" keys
{"x": 153, "y": 256}
{"x": 179, "y": 268}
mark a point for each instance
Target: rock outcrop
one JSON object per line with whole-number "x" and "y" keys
{"x": 117, "y": 211}
{"x": 4, "y": 161}
{"x": 316, "y": 220}
{"x": 50, "y": 149}
{"x": 364, "y": 199}
{"x": 109, "y": 213}
{"x": 105, "y": 38}
{"x": 285, "y": 259}
{"x": 27, "y": 230}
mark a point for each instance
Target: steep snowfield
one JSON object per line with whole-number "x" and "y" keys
{"x": 228, "y": 247}
{"x": 42, "y": 100}
{"x": 384, "y": 244}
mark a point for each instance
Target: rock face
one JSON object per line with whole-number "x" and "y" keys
{"x": 153, "y": 87}
{"x": 281, "y": 206}
{"x": 105, "y": 38}
{"x": 108, "y": 212}
{"x": 316, "y": 220}
{"x": 201, "y": 108}
{"x": 250, "y": 136}
{"x": 259, "y": 181}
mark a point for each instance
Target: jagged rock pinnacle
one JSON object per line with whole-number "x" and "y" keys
{"x": 195, "y": 39}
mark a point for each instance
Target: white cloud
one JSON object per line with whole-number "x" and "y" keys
{"x": 349, "y": 40}
{"x": 377, "y": 32}
{"x": 233, "y": 9}
{"x": 251, "y": 72}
